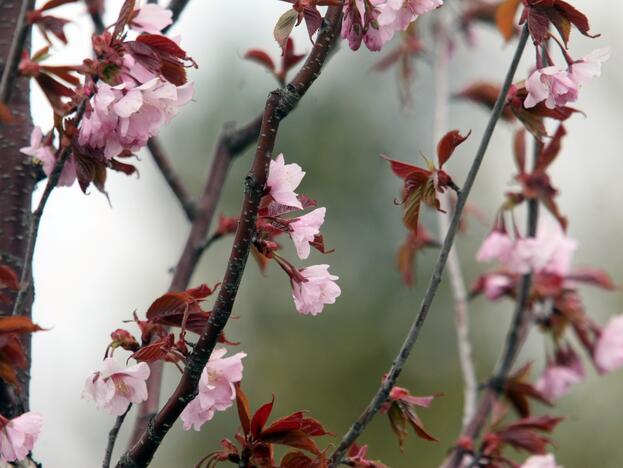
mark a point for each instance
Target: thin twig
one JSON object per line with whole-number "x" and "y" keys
{"x": 388, "y": 383}
{"x": 279, "y": 104}
{"x": 177, "y": 7}
{"x": 35, "y": 220}
{"x": 112, "y": 437}
{"x": 171, "y": 177}
{"x": 455, "y": 275}
{"x": 20, "y": 37}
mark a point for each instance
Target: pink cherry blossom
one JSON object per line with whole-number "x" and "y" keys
{"x": 497, "y": 245}
{"x": 123, "y": 117}
{"x": 152, "y": 19}
{"x": 283, "y": 179}
{"x": 589, "y": 67}
{"x": 44, "y": 154}
{"x": 397, "y": 15}
{"x": 551, "y": 84}
{"x": 560, "y": 375}
{"x": 114, "y": 387}
{"x": 304, "y": 229}
{"x": 359, "y": 24}
{"x": 319, "y": 289}
{"x": 19, "y": 435}
{"x": 541, "y": 461}
{"x": 608, "y": 355}
{"x": 216, "y": 389}
{"x": 551, "y": 251}
{"x": 495, "y": 286}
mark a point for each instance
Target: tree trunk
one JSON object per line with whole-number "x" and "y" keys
{"x": 17, "y": 181}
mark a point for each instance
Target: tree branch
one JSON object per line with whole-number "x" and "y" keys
{"x": 112, "y": 437}
{"x": 388, "y": 383}
{"x": 171, "y": 177}
{"x": 279, "y": 104}
{"x": 455, "y": 275}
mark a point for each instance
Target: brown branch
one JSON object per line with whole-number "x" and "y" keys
{"x": 112, "y": 437}
{"x": 279, "y": 104}
{"x": 175, "y": 184}
{"x": 388, "y": 383}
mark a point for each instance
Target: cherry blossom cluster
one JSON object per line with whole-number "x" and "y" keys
{"x": 130, "y": 91}
{"x": 114, "y": 387}
{"x": 312, "y": 286}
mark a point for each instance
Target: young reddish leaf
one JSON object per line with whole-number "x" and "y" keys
{"x": 538, "y": 24}
{"x": 126, "y": 13}
{"x": 244, "y": 410}
{"x": 294, "y": 438}
{"x": 260, "y": 417}
{"x": 447, "y": 145}
{"x": 405, "y": 257}
{"x": 505, "y": 18}
{"x": 127, "y": 169}
{"x": 398, "y": 423}
{"x": 289, "y": 58}
{"x": 416, "y": 424}
{"x": 5, "y": 114}
{"x": 171, "y": 303}
{"x": 18, "y": 324}
{"x": 261, "y": 57}
{"x": 313, "y": 20}
{"x": 55, "y": 3}
{"x": 300, "y": 460}
{"x": 284, "y": 27}
{"x": 485, "y": 94}
{"x": 593, "y": 276}
{"x": 549, "y": 152}
{"x": 8, "y": 278}
{"x": 519, "y": 150}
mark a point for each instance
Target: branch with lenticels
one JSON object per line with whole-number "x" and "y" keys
{"x": 389, "y": 381}
{"x": 279, "y": 104}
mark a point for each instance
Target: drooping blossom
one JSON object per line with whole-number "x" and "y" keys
{"x": 608, "y": 355}
{"x": 541, "y": 461}
{"x": 304, "y": 229}
{"x": 44, "y": 154}
{"x": 114, "y": 387}
{"x": 361, "y": 24}
{"x": 497, "y": 245}
{"x": 19, "y": 435}
{"x": 495, "y": 286}
{"x": 589, "y": 67}
{"x": 560, "y": 375}
{"x": 397, "y": 15}
{"x": 216, "y": 389}
{"x": 151, "y": 18}
{"x": 283, "y": 179}
{"x": 123, "y": 117}
{"x": 318, "y": 289}
{"x": 558, "y": 87}
{"x": 550, "y": 251}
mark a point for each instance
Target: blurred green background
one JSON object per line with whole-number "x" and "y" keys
{"x": 95, "y": 265}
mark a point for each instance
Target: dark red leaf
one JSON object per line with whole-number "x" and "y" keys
{"x": 8, "y": 278}
{"x": 261, "y": 57}
{"x": 244, "y": 411}
{"x": 447, "y": 145}
{"x": 260, "y": 417}
{"x": 18, "y": 324}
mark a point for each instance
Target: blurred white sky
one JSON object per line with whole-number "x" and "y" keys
{"x": 81, "y": 292}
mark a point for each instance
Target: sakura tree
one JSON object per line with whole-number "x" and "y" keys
{"x": 137, "y": 77}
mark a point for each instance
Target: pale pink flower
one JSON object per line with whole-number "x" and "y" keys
{"x": 216, "y": 389}
{"x": 496, "y": 246}
{"x": 608, "y": 355}
{"x": 44, "y": 154}
{"x": 319, "y": 289}
{"x": 551, "y": 251}
{"x": 495, "y": 286}
{"x": 283, "y": 179}
{"x": 551, "y": 84}
{"x": 358, "y": 25}
{"x": 114, "y": 387}
{"x": 304, "y": 229}
{"x": 397, "y": 15}
{"x": 125, "y": 117}
{"x": 151, "y": 18}
{"x": 19, "y": 435}
{"x": 541, "y": 461}
{"x": 589, "y": 67}
{"x": 560, "y": 375}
